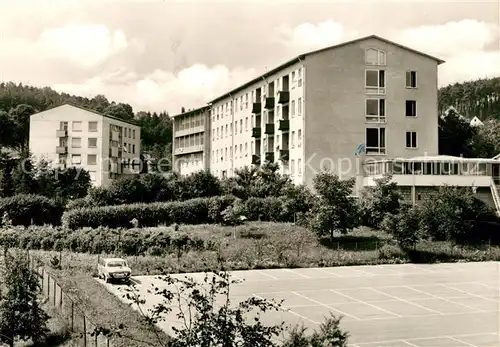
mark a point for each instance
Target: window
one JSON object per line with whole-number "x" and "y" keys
{"x": 63, "y": 126}
{"x": 292, "y": 169}
{"x": 299, "y": 106}
{"x": 411, "y": 139}
{"x": 293, "y": 79}
{"x": 411, "y": 108}
{"x": 241, "y": 125}
{"x": 129, "y": 132}
{"x": 293, "y": 108}
{"x": 77, "y": 126}
{"x": 375, "y": 78}
{"x": 133, "y": 149}
{"x": 92, "y": 142}
{"x": 76, "y": 159}
{"x": 227, "y": 133}
{"x": 375, "y": 110}
{"x": 133, "y": 133}
{"x": 374, "y": 57}
{"x": 300, "y": 78}
{"x": 246, "y": 124}
{"x": 241, "y": 150}
{"x": 411, "y": 79}
{"x": 92, "y": 126}
{"x": 299, "y": 138}
{"x": 299, "y": 167}
{"x": 235, "y": 127}
{"x": 76, "y": 142}
{"x": 246, "y": 149}
{"x": 375, "y": 141}
{"x": 293, "y": 139}
{"x": 91, "y": 159}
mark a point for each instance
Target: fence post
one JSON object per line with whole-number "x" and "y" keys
{"x": 96, "y": 342}
{"x": 55, "y": 292}
{"x": 72, "y": 316}
{"x": 48, "y": 286}
{"x": 60, "y": 259}
{"x": 84, "y": 331}
{"x": 107, "y": 342}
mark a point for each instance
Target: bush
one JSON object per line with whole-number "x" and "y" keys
{"x": 379, "y": 200}
{"x": 452, "y": 213}
{"x": 217, "y": 205}
{"x": 264, "y": 209}
{"x": 193, "y": 211}
{"x": 31, "y": 209}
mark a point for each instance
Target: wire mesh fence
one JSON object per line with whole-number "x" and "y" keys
{"x": 79, "y": 323}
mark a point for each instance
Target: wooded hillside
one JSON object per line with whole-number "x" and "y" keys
{"x": 479, "y": 98}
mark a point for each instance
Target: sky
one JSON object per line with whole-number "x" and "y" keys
{"x": 162, "y": 55}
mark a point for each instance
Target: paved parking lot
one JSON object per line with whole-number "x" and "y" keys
{"x": 449, "y": 305}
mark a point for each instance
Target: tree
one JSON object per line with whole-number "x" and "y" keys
{"x": 200, "y": 184}
{"x": 329, "y": 335}
{"x": 208, "y": 317}
{"x": 405, "y": 227}
{"x": 20, "y": 117}
{"x": 21, "y": 316}
{"x": 23, "y": 175}
{"x": 335, "y": 211}
{"x": 6, "y": 181}
{"x": 379, "y": 200}
{"x": 456, "y": 136}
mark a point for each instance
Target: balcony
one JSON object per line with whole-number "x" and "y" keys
{"x": 62, "y": 133}
{"x": 61, "y": 149}
{"x": 269, "y": 103}
{"x": 283, "y": 97}
{"x": 256, "y": 107}
{"x": 284, "y": 154}
{"x": 255, "y": 159}
{"x": 270, "y": 157}
{"x": 269, "y": 129}
{"x": 256, "y": 132}
{"x": 284, "y": 125}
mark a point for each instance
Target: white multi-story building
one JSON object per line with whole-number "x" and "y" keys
{"x": 332, "y": 108}
{"x": 105, "y": 146}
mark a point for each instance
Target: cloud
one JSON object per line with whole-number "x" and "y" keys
{"x": 163, "y": 90}
{"x": 307, "y": 36}
{"x": 462, "y": 44}
{"x": 83, "y": 45}
{"x": 87, "y": 45}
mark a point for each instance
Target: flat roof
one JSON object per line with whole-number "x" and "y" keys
{"x": 196, "y": 110}
{"x": 131, "y": 122}
{"x": 302, "y": 56}
{"x": 437, "y": 158}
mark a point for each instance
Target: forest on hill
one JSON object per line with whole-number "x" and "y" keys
{"x": 479, "y": 98}
{"x": 18, "y": 102}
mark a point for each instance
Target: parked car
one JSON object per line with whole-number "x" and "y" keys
{"x": 113, "y": 269}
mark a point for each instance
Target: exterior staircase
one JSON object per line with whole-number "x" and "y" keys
{"x": 496, "y": 196}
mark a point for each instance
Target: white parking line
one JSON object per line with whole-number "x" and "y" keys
{"x": 266, "y": 274}
{"x": 471, "y": 294}
{"x": 408, "y": 302}
{"x": 365, "y": 303}
{"x": 460, "y": 341}
{"x": 441, "y": 298}
{"x": 423, "y": 338}
{"x": 296, "y": 273}
{"x": 327, "y": 306}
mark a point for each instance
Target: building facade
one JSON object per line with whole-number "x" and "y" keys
{"x": 191, "y": 143}
{"x": 67, "y": 136}
{"x": 333, "y": 108}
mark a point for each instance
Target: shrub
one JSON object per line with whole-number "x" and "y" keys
{"x": 194, "y": 211}
{"x": 217, "y": 205}
{"x": 31, "y": 209}
{"x": 379, "y": 200}
{"x": 296, "y": 201}
{"x": 264, "y": 209}
{"x": 452, "y": 213}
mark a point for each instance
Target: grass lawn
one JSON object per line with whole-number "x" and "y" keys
{"x": 251, "y": 246}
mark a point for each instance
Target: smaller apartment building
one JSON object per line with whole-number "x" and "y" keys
{"x": 191, "y": 145}
{"x": 105, "y": 146}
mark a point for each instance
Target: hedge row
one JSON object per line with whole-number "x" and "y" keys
{"x": 194, "y": 211}
{"x": 103, "y": 240}
{"x": 30, "y": 209}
